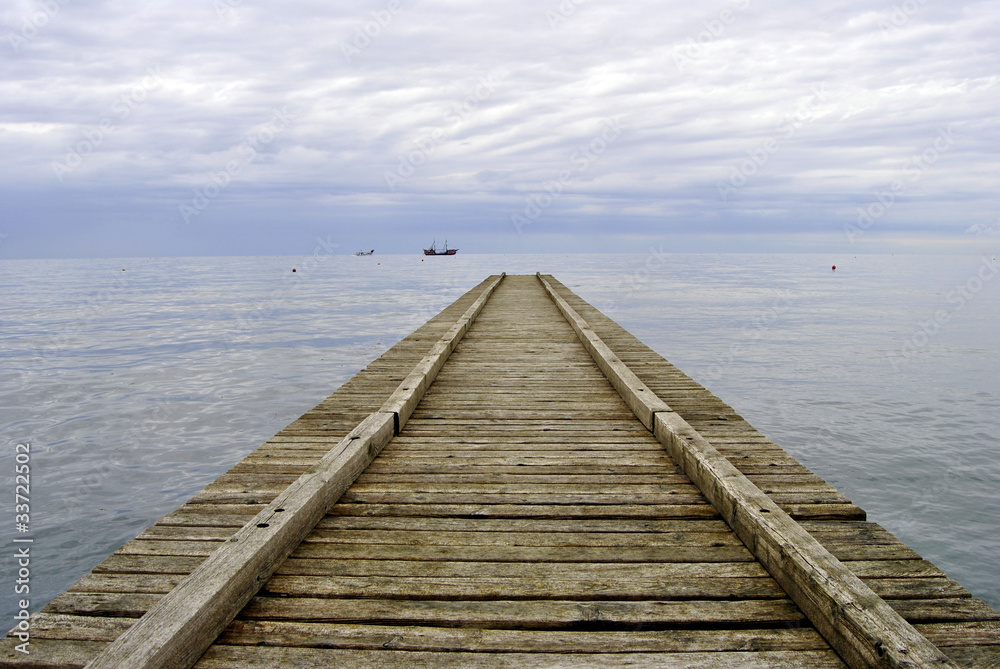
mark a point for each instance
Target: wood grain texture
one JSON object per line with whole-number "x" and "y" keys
{"x": 180, "y": 626}
{"x": 184, "y": 623}
{"x": 859, "y": 624}
{"x": 522, "y": 516}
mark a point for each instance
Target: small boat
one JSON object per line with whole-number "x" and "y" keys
{"x": 435, "y": 251}
{"x": 365, "y": 253}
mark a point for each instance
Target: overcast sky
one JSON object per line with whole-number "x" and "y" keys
{"x": 237, "y": 127}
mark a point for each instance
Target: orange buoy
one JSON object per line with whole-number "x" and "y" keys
{"x": 293, "y": 269}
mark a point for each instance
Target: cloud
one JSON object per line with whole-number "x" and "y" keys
{"x": 374, "y": 88}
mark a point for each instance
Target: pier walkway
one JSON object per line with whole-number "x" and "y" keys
{"x": 518, "y": 483}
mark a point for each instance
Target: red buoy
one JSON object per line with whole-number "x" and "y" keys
{"x": 834, "y": 268}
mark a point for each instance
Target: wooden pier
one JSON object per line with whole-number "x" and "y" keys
{"x": 518, "y": 483}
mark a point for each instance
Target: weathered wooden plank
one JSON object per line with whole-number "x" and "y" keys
{"x": 857, "y": 623}
{"x": 521, "y": 477}
{"x": 578, "y": 510}
{"x": 893, "y": 568}
{"x": 552, "y": 487}
{"x": 979, "y": 633}
{"x": 464, "y": 536}
{"x": 480, "y": 414}
{"x": 524, "y": 553}
{"x": 662, "y": 498}
{"x": 434, "y": 444}
{"x": 147, "y": 564}
{"x": 505, "y": 465}
{"x": 976, "y": 657}
{"x": 539, "y": 615}
{"x": 261, "y": 657}
{"x": 408, "y": 394}
{"x": 916, "y": 588}
{"x": 504, "y": 525}
{"x": 234, "y": 516}
{"x": 579, "y": 539}
{"x": 51, "y": 654}
{"x": 128, "y": 583}
{"x": 621, "y": 458}
{"x": 523, "y": 587}
{"x": 417, "y": 638}
{"x": 116, "y": 605}
{"x": 517, "y": 427}
{"x": 77, "y": 628}
{"x": 637, "y": 395}
{"x": 180, "y": 626}
{"x": 619, "y": 496}
{"x": 964, "y": 609}
{"x": 186, "y": 533}
{"x": 410, "y": 575}
{"x": 468, "y": 569}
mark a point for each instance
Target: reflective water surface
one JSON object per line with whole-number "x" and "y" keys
{"x": 138, "y": 381}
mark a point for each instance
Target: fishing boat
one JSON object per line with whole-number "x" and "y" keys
{"x": 435, "y": 251}
{"x": 364, "y": 253}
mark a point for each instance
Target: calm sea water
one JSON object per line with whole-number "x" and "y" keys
{"x": 137, "y": 388}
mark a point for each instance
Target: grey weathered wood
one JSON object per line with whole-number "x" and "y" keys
{"x": 637, "y": 395}
{"x": 860, "y": 625}
{"x": 405, "y": 398}
{"x": 416, "y": 638}
{"x": 179, "y": 627}
{"x": 263, "y": 657}
{"x": 530, "y": 614}
{"x": 490, "y": 492}
{"x": 533, "y": 587}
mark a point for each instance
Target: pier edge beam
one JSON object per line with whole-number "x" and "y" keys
{"x": 857, "y": 623}
{"x": 178, "y": 629}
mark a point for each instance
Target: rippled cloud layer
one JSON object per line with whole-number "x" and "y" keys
{"x": 238, "y": 127}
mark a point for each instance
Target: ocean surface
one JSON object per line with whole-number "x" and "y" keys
{"x": 139, "y": 381}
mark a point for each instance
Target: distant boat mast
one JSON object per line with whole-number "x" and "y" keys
{"x": 434, "y": 251}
